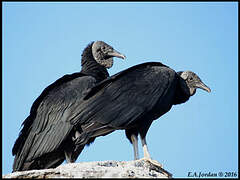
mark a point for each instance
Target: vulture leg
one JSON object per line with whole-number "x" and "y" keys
{"x": 134, "y": 139}
{"x": 68, "y": 156}
{"x": 145, "y": 148}
{"x": 147, "y": 156}
{"x": 69, "y": 153}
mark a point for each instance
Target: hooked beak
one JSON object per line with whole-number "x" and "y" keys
{"x": 203, "y": 86}
{"x": 115, "y": 53}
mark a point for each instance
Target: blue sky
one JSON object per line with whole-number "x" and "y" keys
{"x": 44, "y": 41}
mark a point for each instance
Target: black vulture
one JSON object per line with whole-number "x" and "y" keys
{"x": 46, "y": 138}
{"x": 131, "y": 100}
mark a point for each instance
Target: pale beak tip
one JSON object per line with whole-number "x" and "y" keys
{"x": 208, "y": 90}
{"x": 123, "y": 57}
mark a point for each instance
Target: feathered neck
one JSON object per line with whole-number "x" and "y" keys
{"x": 91, "y": 67}
{"x": 182, "y": 91}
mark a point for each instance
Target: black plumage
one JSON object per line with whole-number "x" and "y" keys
{"x": 132, "y": 99}
{"x": 46, "y": 138}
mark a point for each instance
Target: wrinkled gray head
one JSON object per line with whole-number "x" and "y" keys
{"x": 193, "y": 82}
{"x": 104, "y": 53}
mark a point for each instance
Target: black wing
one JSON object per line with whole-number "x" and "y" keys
{"x": 50, "y": 126}
{"x": 121, "y": 99}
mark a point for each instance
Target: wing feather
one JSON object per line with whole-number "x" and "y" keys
{"x": 122, "y": 99}
{"x": 51, "y": 126}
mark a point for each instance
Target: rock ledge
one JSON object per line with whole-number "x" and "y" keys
{"x": 99, "y": 169}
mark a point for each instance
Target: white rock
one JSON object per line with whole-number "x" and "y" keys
{"x": 98, "y": 169}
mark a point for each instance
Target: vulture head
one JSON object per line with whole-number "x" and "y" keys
{"x": 193, "y": 82}
{"x": 104, "y": 53}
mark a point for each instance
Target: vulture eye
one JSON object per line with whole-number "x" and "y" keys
{"x": 103, "y": 47}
